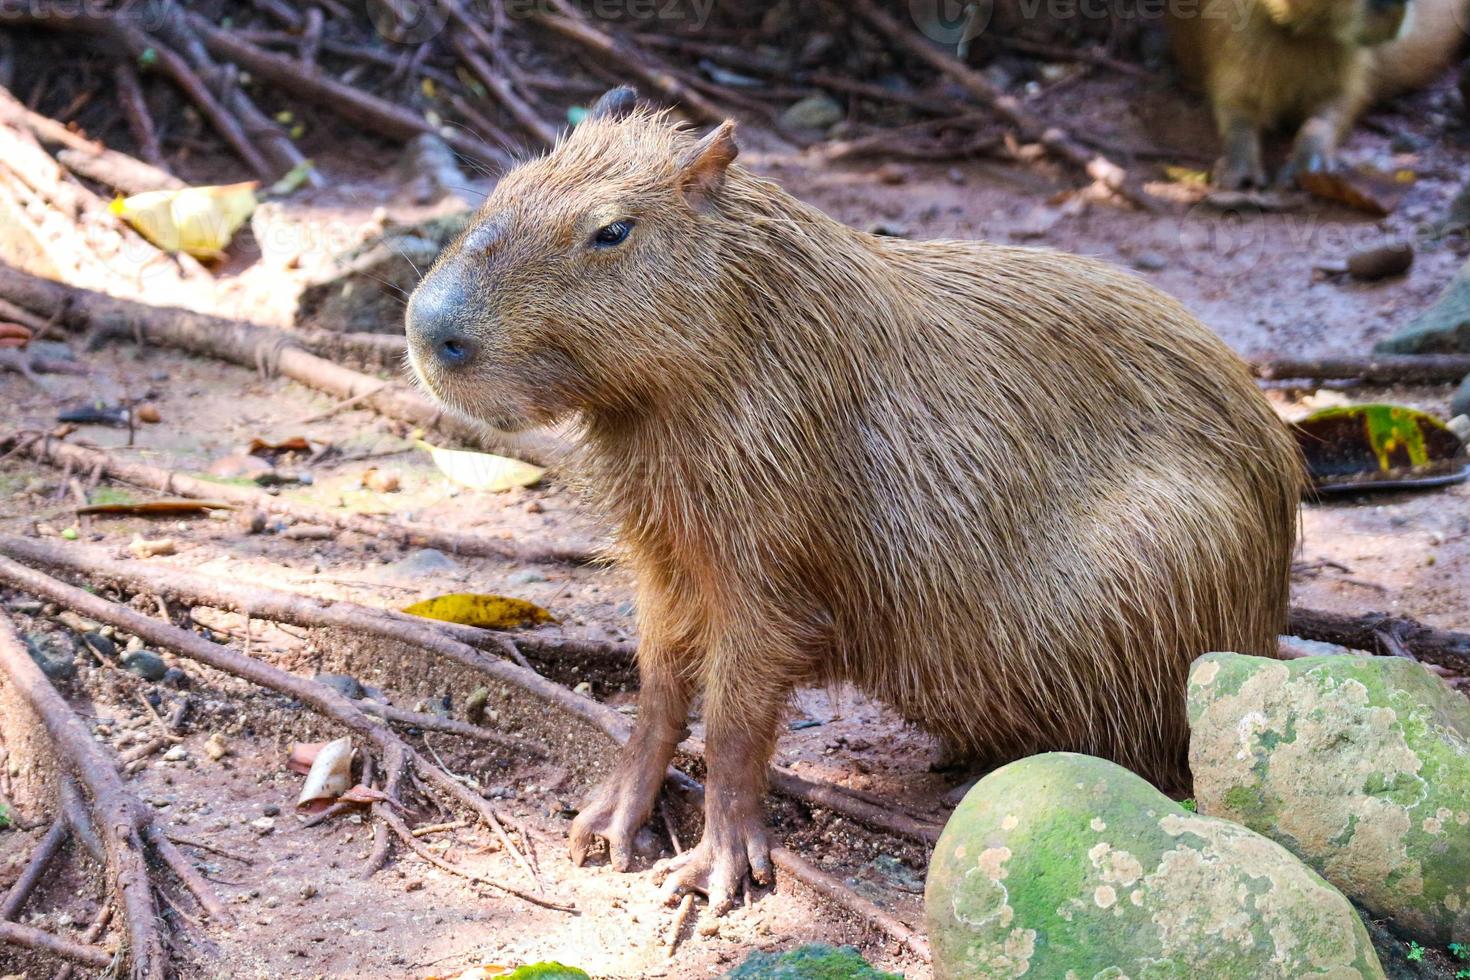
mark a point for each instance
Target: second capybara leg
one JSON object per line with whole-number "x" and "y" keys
{"x": 622, "y": 802}
{"x": 1240, "y": 167}
{"x": 1315, "y": 149}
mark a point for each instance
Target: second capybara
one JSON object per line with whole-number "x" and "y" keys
{"x": 1307, "y": 66}
{"x": 1012, "y": 493}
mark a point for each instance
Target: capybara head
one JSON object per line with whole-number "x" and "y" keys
{"x": 576, "y": 285}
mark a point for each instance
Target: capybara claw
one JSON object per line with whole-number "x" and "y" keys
{"x": 716, "y": 871}
{"x": 601, "y": 823}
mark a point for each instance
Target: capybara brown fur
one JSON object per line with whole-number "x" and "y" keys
{"x": 1309, "y": 65}
{"x": 1010, "y": 492}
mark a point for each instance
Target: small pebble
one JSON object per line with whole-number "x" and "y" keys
{"x": 1382, "y": 262}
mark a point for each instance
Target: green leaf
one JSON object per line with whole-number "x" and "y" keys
{"x": 4, "y": 817}
{"x": 494, "y": 612}
{"x": 1367, "y": 446}
{"x": 547, "y": 971}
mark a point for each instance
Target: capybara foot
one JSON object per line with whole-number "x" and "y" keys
{"x": 1238, "y": 173}
{"x": 613, "y": 813}
{"x": 717, "y": 866}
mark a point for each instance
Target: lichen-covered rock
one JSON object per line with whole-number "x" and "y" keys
{"x": 1067, "y": 866}
{"x": 1359, "y": 765}
{"x": 814, "y": 961}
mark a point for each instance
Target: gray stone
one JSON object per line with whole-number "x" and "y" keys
{"x": 1460, "y": 400}
{"x": 344, "y": 684}
{"x": 813, "y": 112}
{"x": 1444, "y": 328}
{"x": 146, "y": 664}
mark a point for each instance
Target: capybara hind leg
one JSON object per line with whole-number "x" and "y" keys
{"x": 1241, "y": 166}
{"x": 623, "y": 801}
{"x": 741, "y": 735}
{"x": 1315, "y": 148}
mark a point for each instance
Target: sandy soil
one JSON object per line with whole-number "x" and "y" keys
{"x": 304, "y": 910}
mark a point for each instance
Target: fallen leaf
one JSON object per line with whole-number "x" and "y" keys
{"x": 94, "y": 413}
{"x": 171, "y": 505}
{"x": 238, "y": 466}
{"x": 14, "y": 335}
{"x": 1365, "y": 447}
{"x": 496, "y": 612}
{"x": 1362, "y": 188}
{"x": 381, "y": 481}
{"x": 302, "y": 755}
{"x": 330, "y": 774}
{"x": 197, "y": 220}
{"x": 1187, "y": 175}
{"x": 483, "y": 471}
{"x": 270, "y": 450}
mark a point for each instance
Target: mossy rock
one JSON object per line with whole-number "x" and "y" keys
{"x": 1359, "y": 765}
{"x": 814, "y": 961}
{"x": 1068, "y": 866}
{"x": 1444, "y": 328}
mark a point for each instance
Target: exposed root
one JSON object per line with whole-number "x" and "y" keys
{"x": 300, "y": 610}
{"x": 398, "y": 757}
{"x": 150, "y": 477}
{"x": 37, "y": 939}
{"x": 1382, "y": 633}
{"x": 35, "y": 868}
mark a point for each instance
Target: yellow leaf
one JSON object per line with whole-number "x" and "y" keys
{"x": 1184, "y": 175}
{"x": 483, "y": 471}
{"x": 428, "y": 88}
{"x": 197, "y": 220}
{"x": 495, "y": 612}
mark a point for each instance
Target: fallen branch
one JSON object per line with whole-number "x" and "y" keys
{"x": 1383, "y": 634}
{"x": 83, "y": 156}
{"x": 839, "y": 894}
{"x": 368, "y": 111}
{"x": 569, "y": 22}
{"x": 1380, "y": 369}
{"x": 437, "y": 638}
{"x": 1055, "y": 140}
{"x": 251, "y": 345}
{"x": 170, "y": 482}
{"x": 398, "y": 756}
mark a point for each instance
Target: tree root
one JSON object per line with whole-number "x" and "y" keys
{"x": 453, "y": 642}
{"x": 1384, "y": 634}
{"x": 305, "y": 611}
{"x": 46, "y": 450}
{"x": 398, "y": 757}
{"x": 251, "y": 345}
{"x": 121, "y": 820}
{"x": 37, "y": 939}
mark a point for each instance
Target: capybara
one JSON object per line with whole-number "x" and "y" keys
{"x": 1312, "y": 66}
{"x": 1010, "y": 492}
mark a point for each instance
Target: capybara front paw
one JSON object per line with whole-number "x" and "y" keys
{"x": 717, "y": 869}
{"x": 1239, "y": 173}
{"x": 609, "y": 815}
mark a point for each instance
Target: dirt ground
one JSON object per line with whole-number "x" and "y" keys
{"x": 304, "y": 910}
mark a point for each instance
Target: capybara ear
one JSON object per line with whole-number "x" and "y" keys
{"x": 616, "y": 103}
{"x": 702, "y": 169}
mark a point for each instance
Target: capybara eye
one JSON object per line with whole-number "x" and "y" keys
{"x": 613, "y": 234}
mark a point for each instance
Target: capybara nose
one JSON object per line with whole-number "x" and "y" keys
{"x": 435, "y": 324}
